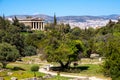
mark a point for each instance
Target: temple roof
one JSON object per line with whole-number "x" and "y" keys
{"x": 32, "y": 19}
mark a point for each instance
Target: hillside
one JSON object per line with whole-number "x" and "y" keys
{"x": 80, "y": 21}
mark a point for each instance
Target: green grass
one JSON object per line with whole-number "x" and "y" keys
{"x": 19, "y": 70}
{"x": 58, "y": 78}
{"x": 93, "y": 70}
{"x": 26, "y": 67}
{"x": 14, "y": 68}
{"x": 19, "y": 74}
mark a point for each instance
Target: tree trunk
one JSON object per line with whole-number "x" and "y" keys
{"x": 66, "y": 65}
{"x": 34, "y": 74}
{"x": 61, "y": 63}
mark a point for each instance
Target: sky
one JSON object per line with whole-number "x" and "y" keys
{"x": 60, "y": 7}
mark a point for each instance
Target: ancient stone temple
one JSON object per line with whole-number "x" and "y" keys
{"x": 33, "y": 23}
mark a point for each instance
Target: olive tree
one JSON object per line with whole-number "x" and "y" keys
{"x": 65, "y": 53}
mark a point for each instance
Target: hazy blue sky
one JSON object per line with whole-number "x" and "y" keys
{"x": 60, "y": 7}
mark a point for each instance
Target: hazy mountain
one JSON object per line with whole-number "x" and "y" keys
{"x": 113, "y": 16}
{"x": 79, "y": 21}
{"x": 71, "y": 18}
{"x": 46, "y": 17}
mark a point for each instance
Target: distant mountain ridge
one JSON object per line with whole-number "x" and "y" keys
{"x": 72, "y": 18}
{"x": 75, "y": 21}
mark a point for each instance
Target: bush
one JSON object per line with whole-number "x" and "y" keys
{"x": 34, "y": 68}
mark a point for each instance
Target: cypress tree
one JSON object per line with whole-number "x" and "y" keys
{"x": 55, "y": 20}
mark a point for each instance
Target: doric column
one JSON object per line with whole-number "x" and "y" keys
{"x": 33, "y": 25}
{"x": 41, "y": 25}
{"x": 38, "y": 25}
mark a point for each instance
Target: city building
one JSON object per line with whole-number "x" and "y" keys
{"x": 33, "y": 23}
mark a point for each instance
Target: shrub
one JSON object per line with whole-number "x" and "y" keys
{"x": 35, "y": 68}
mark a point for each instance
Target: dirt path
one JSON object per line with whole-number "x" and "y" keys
{"x": 42, "y": 70}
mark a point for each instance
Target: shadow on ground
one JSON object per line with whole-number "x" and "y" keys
{"x": 18, "y": 68}
{"x": 70, "y": 69}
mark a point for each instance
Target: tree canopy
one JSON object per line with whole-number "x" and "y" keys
{"x": 59, "y": 43}
{"x": 8, "y": 53}
{"x": 12, "y": 42}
